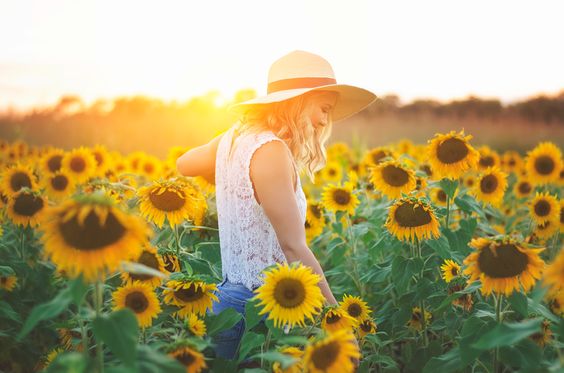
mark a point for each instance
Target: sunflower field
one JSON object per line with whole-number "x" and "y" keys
{"x": 445, "y": 257}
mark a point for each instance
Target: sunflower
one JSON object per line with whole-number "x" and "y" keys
{"x": 58, "y": 185}
{"x": 315, "y": 211}
{"x": 547, "y": 229}
{"x": 488, "y": 158}
{"x": 365, "y": 327}
{"x": 411, "y": 218}
{"x": 68, "y": 338}
{"x": 544, "y": 163}
{"x": 8, "y": 283}
{"x": 438, "y": 196}
{"x": 103, "y": 159}
{"x": 554, "y": 277}
{"x": 450, "y": 270}
{"x": 51, "y": 161}
{"x": 151, "y": 259}
{"x": 416, "y": 321}
{"x": 88, "y": 235}
{"x": 191, "y": 359}
{"x": 426, "y": 168}
{"x": 501, "y": 264}
{"x": 523, "y": 188}
{"x": 333, "y": 353}
{"x": 134, "y": 161}
{"x": 191, "y": 296}
{"x": 336, "y": 319}
{"x": 469, "y": 181}
{"x": 337, "y": 197}
{"x": 195, "y": 325}
{"x": 491, "y": 186}
{"x": 297, "y": 367}
{"x": 26, "y": 208}
{"x": 171, "y": 263}
{"x": 561, "y": 215}
{"x": 150, "y": 167}
{"x": 141, "y": 299}
{"x": 420, "y": 185}
{"x": 16, "y": 177}
{"x": 290, "y": 294}
{"x": 544, "y": 336}
{"x": 393, "y": 179}
{"x": 332, "y": 172}
{"x": 174, "y": 200}
{"x": 79, "y": 163}
{"x": 465, "y": 300}
{"x": 451, "y": 155}
{"x": 355, "y": 307}
{"x": 544, "y": 207}
{"x": 50, "y": 357}
{"x": 512, "y": 161}
{"x": 313, "y": 228}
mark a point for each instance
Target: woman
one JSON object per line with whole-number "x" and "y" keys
{"x": 256, "y": 165}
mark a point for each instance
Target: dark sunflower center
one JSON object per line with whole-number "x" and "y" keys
{"x": 189, "y": 294}
{"x": 59, "y": 182}
{"x": 137, "y": 301}
{"x": 354, "y": 309}
{"x": 307, "y": 225}
{"x": 454, "y": 271}
{"x": 167, "y": 201}
{"x": 185, "y": 358}
{"x": 441, "y": 195}
{"x": 324, "y": 356}
{"x": 416, "y": 316}
{"x": 562, "y": 215}
{"x": 91, "y": 235}
{"x": 150, "y": 260}
{"x": 487, "y": 161}
{"x": 289, "y": 293}
{"x": 407, "y": 215}
{"x": 20, "y": 180}
{"x": 366, "y": 326}
{"x": 3, "y": 280}
{"x": 508, "y": 261}
{"x": 511, "y": 162}
{"x": 333, "y": 318}
{"x": 544, "y": 165}
{"x": 341, "y": 197}
{"x": 425, "y": 168}
{"x": 395, "y": 176}
{"x": 332, "y": 172}
{"x": 316, "y": 211}
{"x": 149, "y": 168}
{"x": 27, "y": 204}
{"x": 78, "y": 164}
{"x": 169, "y": 263}
{"x": 524, "y": 187}
{"x": 378, "y": 156}
{"x": 99, "y": 158}
{"x": 470, "y": 182}
{"x": 369, "y": 186}
{"x": 542, "y": 208}
{"x": 452, "y": 150}
{"x": 488, "y": 184}
{"x": 54, "y": 163}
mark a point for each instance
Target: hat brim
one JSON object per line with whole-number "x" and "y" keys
{"x": 351, "y": 99}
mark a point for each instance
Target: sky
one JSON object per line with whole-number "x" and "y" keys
{"x": 175, "y": 50}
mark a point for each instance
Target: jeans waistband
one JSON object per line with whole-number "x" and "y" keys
{"x": 226, "y": 281}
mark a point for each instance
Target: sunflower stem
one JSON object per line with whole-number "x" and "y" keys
{"x": 266, "y": 346}
{"x": 421, "y": 303}
{"x": 498, "y": 305}
{"x": 447, "y": 211}
{"x": 22, "y": 242}
{"x": 84, "y": 337}
{"x": 99, "y": 299}
{"x": 353, "y": 247}
{"x": 177, "y": 241}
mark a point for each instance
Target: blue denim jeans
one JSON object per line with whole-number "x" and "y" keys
{"x": 234, "y": 296}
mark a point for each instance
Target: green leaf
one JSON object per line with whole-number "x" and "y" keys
{"x": 472, "y": 329}
{"x": 273, "y": 356}
{"x": 222, "y": 321}
{"x": 518, "y": 301}
{"x": 440, "y": 246}
{"x": 449, "y": 186}
{"x": 54, "y": 307}
{"x": 525, "y": 354}
{"x": 151, "y": 361}
{"x": 6, "y": 311}
{"x": 506, "y": 334}
{"x": 249, "y": 342}
{"x": 252, "y": 317}
{"x": 448, "y": 362}
{"x": 69, "y": 362}
{"x": 6, "y": 271}
{"x": 119, "y": 330}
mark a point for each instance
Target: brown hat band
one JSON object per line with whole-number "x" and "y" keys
{"x": 294, "y": 83}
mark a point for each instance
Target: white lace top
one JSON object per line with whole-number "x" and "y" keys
{"x": 247, "y": 239}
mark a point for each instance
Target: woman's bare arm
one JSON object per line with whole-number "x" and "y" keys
{"x": 271, "y": 173}
{"x": 199, "y": 161}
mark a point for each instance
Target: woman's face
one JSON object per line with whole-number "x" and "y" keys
{"x": 322, "y": 105}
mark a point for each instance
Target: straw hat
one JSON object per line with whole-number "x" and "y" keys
{"x": 300, "y": 72}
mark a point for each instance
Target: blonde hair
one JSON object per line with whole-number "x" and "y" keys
{"x": 290, "y": 121}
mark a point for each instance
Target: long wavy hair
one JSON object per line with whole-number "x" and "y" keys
{"x": 290, "y": 121}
